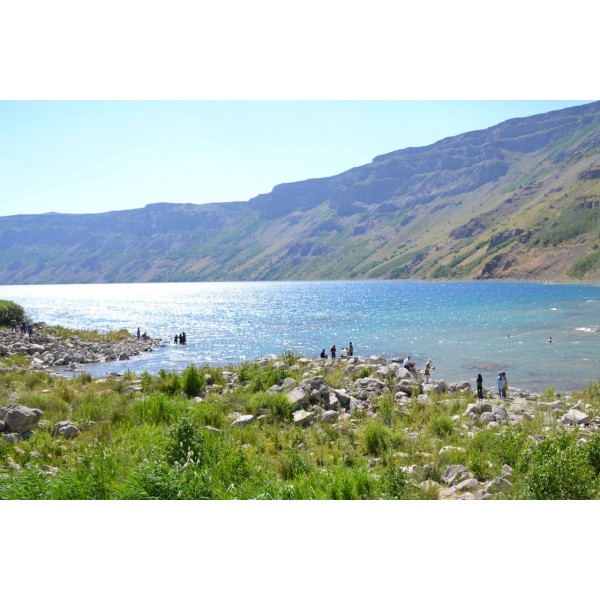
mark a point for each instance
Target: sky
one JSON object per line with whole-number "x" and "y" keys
{"x": 98, "y": 156}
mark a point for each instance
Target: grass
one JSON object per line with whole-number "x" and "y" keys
{"x": 88, "y": 335}
{"x": 163, "y": 443}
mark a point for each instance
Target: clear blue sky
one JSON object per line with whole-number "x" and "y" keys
{"x": 84, "y": 156}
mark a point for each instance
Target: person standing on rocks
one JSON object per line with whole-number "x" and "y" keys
{"x": 176, "y": 339}
{"x": 138, "y": 333}
{"x": 333, "y": 350}
{"x": 350, "y": 349}
{"x": 505, "y": 384}
{"x": 427, "y": 370}
{"x": 13, "y": 325}
{"x": 501, "y": 381}
{"x": 479, "y": 387}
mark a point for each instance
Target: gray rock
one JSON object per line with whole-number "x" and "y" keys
{"x": 123, "y": 356}
{"x": 12, "y": 437}
{"x": 343, "y": 397}
{"x": 507, "y": 471}
{"x": 467, "y": 484}
{"x": 67, "y": 429}
{"x": 2, "y": 426}
{"x": 329, "y": 416}
{"x": 575, "y": 417}
{"x": 288, "y": 383}
{"x": 18, "y": 418}
{"x": 499, "y": 485}
{"x": 333, "y": 402}
{"x": 242, "y": 420}
{"x": 303, "y": 417}
{"x": 424, "y": 400}
{"x": 297, "y": 397}
{"x": 314, "y": 382}
{"x": 454, "y": 474}
{"x": 487, "y": 417}
{"x": 500, "y": 413}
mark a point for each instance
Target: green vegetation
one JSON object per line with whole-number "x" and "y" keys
{"x": 167, "y": 443}
{"x": 88, "y": 335}
{"x": 9, "y": 311}
{"x": 569, "y": 224}
{"x": 584, "y": 266}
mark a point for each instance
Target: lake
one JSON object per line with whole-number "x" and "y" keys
{"x": 464, "y": 327}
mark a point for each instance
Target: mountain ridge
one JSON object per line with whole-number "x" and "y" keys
{"x": 518, "y": 200}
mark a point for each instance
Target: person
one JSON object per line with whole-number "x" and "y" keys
{"x": 30, "y": 330}
{"x": 13, "y": 325}
{"x": 138, "y": 333}
{"x": 323, "y": 353}
{"x": 406, "y": 363}
{"x": 23, "y": 327}
{"x": 505, "y": 384}
{"x": 176, "y": 339}
{"x": 182, "y": 338}
{"x": 144, "y": 335}
{"x": 350, "y": 349}
{"x": 427, "y": 370}
{"x": 344, "y": 353}
{"x": 549, "y": 340}
{"x": 333, "y": 350}
{"x": 501, "y": 384}
{"x": 479, "y": 387}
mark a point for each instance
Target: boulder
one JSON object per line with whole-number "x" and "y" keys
{"x": 297, "y": 397}
{"x": 303, "y": 417}
{"x": 332, "y": 403}
{"x": 329, "y": 416}
{"x": 507, "y": 471}
{"x": 313, "y": 383}
{"x": 424, "y": 400}
{"x": 13, "y": 438}
{"x": 18, "y": 418}
{"x": 2, "y": 426}
{"x": 288, "y": 383}
{"x": 123, "y": 356}
{"x": 499, "y": 485}
{"x": 454, "y": 474}
{"x": 67, "y": 429}
{"x": 242, "y": 420}
{"x": 343, "y": 397}
{"x": 500, "y": 413}
{"x": 575, "y": 417}
{"x": 487, "y": 417}
{"x": 467, "y": 484}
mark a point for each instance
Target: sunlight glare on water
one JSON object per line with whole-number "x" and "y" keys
{"x": 465, "y": 327}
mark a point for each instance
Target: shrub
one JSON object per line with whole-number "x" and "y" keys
{"x": 378, "y": 437}
{"x": 10, "y": 310}
{"x": 508, "y": 445}
{"x": 293, "y": 463}
{"x": 158, "y": 408}
{"x": 192, "y": 381}
{"x": 592, "y": 449}
{"x": 558, "y": 469}
{"x": 186, "y": 443}
{"x": 394, "y": 482}
{"x": 441, "y": 425}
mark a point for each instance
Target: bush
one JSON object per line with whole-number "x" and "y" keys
{"x": 192, "y": 381}
{"x": 558, "y": 469}
{"x": 10, "y": 310}
{"x": 378, "y": 437}
{"x": 186, "y": 443}
{"x": 592, "y": 449}
{"x": 441, "y": 426}
{"x": 394, "y": 483}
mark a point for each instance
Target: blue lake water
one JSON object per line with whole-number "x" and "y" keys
{"x": 465, "y": 327}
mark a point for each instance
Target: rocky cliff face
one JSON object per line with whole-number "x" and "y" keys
{"x": 518, "y": 200}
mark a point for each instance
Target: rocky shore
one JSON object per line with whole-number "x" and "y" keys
{"x": 366, "y": 410}
{"x": 44, "y": 351}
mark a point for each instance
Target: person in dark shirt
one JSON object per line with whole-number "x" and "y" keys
{"x": 479, "y": 386}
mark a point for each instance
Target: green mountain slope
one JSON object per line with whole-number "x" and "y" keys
{"x": 520, "y": 200}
